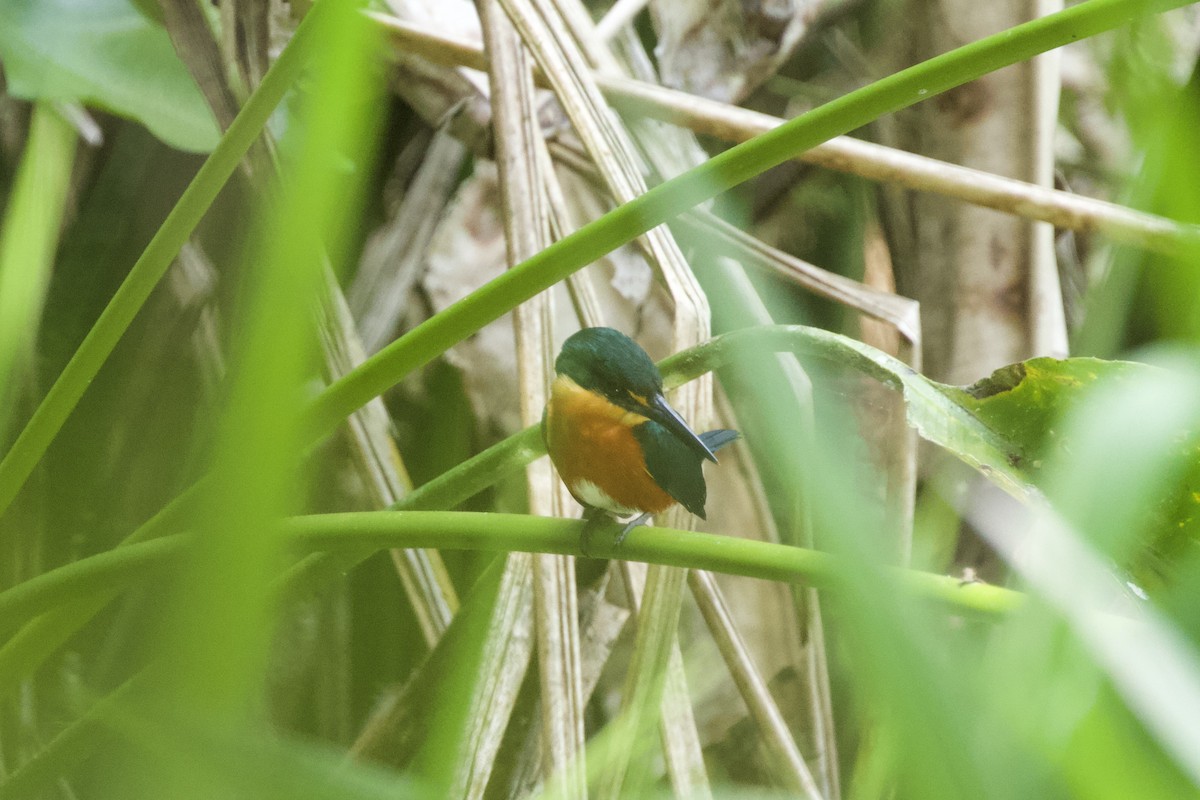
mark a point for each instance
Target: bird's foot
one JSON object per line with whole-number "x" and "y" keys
{"x": 595, "y": 519}
{"x": 640, "y": 519}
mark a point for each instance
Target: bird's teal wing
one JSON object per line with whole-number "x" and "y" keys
{"x": 673, "y": 465}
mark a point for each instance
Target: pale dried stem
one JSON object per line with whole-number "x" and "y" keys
{"x": 394, "y": 255}
{"x": 600, "y": 624}
{"x": 579, "y": 285}
{"x": 507, "y": 648}
{"x": 671, "y": 151}
{"x": 612, "y": 153}
{"x": 901, "y": 312}
{"x": 886, "y": 424}
{"x": 680, "y": 738}
{"x": 795, "y": 527}
{"x": 845, "y": 154}
{"x": 618, "y": 16}
{"x": 682, "y": 747}
{"x": 527, "y": 231}
{"x": 422, "y": 572}
{"x": 763, "y": 709}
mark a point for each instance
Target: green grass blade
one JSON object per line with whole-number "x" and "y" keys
{"x": 27, "y": 244}
{"x": 221, "y": 617}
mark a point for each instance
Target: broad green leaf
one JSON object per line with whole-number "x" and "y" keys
{"x": 1138, "y": 439}
{"x": 1024, "y": 402}
{"x": 108, "y": 54}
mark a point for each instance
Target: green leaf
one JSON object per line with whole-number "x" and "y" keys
{"x": 108, "y": 54}
{"x": 1138, "y": 438}
{"x": 1024, "y": 402}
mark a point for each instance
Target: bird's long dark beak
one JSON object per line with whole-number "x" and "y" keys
{"x": 662, "y": 413}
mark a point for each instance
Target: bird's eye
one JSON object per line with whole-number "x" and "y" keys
{"x": 617, "y": 396}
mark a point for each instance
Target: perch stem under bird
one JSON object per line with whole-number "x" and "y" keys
{"x": 618, "y": 445}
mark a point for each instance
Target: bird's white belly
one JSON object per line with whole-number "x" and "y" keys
{"x": 591, "y": 494}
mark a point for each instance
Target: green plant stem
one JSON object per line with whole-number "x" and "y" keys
{"x": 370, "y": 531}
{"x": 661, "y": 203}
{"x": 244, "y": 758}
{"x": 63, "y": 396}
{"x": 88, "y": 577}
{"x": 21, "y": 655}
{"x": 27, "y": 244}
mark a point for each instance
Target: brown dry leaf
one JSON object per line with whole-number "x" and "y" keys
{"x": 465, "y": 252}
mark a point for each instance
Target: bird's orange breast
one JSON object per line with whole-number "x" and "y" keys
{"x": 591, "y": 440}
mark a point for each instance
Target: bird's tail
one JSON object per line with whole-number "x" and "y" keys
{"x": 717, "y": 439}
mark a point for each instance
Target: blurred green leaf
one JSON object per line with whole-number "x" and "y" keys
{"x": 222, "y": 611}
{"x": 249, "y": 762}
{"x": 28, "y": 241}
{"x": 105, "y": 53}
{"x": 1126, "y": 472}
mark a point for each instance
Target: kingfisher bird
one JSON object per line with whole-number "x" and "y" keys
{"x": 617, "y": 444}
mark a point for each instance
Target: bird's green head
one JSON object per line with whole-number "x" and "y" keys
{"x": 609, "y": 363}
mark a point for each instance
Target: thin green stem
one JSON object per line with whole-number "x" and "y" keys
{"x": 84, "y": 579}
{"x": 736, "y": 165}
{"x": 371, "y": 531}
{"x": 570, "y": 254}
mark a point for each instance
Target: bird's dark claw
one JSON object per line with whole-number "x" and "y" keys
{"x": 595, "y": 519}
{"x": 640, "y": 519}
